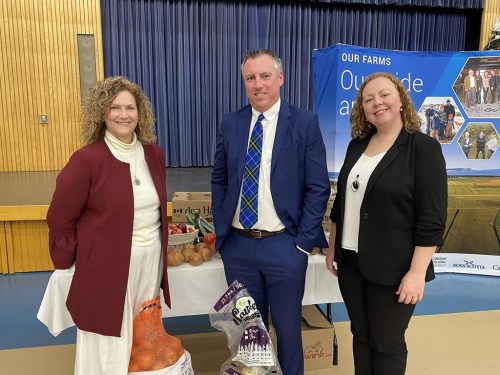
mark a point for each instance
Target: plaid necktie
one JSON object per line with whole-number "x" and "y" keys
{"x": 250, "y": 191}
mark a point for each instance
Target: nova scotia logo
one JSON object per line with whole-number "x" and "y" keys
{"x": 469, "y": 265}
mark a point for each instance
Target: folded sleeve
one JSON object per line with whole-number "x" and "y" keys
{"x": 68, "y": 202}
{"x": 431, "y": 195}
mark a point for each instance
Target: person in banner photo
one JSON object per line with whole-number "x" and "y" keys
{"x": 494, "y": 84}
{"x": 388, "y": 218}
{"x": 479, "y": 87}
{"x": 480, "y": 144}
{"x": 443, "y": 120}
{"x": 470, "y": 86}
{"x": 449, "y": 109}
{"x": 492, "y": 145}
{"x": 429, "y": 115}
{"x": 466, "y": 144}
{"x": 270, "y": 189}
{"x": 486, "y": 88}
{"x": 108, "y": 218}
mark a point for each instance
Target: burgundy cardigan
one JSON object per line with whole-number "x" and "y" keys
{"x": 90, "y": 223}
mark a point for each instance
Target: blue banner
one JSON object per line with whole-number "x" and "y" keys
{"x": 440, "y": 87}
{"x": 457, "y": 96}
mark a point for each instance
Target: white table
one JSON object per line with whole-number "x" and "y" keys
{"x": 193, "y": 291}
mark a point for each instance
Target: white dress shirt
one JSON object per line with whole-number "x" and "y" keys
{"x": 267, "y": 218}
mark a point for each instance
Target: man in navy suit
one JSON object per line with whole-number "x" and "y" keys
{"x": 271, "y": 257}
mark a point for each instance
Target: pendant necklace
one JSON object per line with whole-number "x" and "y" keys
{"x": 135, "y": 180}
{"x": 355, "y": 183}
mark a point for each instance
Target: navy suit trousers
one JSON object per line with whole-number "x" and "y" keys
{"x": 274, "y": 271}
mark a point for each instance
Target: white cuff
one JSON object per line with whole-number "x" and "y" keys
{"x": 302, "y": 250}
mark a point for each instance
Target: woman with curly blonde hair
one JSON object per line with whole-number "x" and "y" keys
{"x": 361, "y": 128}
{"x": 108, "y": 219}
{"x": 97, "y": 102}
{"x": 388, "y": 217}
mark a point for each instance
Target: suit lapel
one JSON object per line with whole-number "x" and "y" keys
{"x": 243, "y": 124}
{"x": 351, "y": 159}
{"x": 157, "y": 178}
{"x": 386, "y": 161}
{"x": 284, "y": 120}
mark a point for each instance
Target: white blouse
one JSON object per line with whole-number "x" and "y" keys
{"x": 354, "y": 194}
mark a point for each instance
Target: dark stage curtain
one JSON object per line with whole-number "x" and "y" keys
{"x": 457, "y": 4}
{"x": 186, "y": 54}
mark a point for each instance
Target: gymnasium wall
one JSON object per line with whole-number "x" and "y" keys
{"x": 39, "y": 70}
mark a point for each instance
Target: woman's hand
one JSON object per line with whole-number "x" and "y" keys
{"x": 330, "y": 264}
{"x": 330, "y": 255}
{"x": 411, "y": 289}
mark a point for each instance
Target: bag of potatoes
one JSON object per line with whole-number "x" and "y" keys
{"x": 154, "y": 351}
{"x": 252, "y": 351}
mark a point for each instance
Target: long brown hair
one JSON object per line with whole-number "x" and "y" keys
{"x": 97, "y": 104}
{"x": 361, "y": 128}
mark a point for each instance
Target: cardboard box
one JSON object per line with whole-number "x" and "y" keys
{"x": 208, "y": 351}
{"x": 322, "y": 371}
{"x": 189, "y": 202}
{"x": 317, "y": 339}
{"x": 326, "y": 219}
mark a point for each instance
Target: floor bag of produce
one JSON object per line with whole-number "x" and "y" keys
{"x": 252, "y": 351}
{"x": 154, "y": 351}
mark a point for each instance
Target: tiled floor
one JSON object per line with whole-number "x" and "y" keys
{"x": 456, "y": 330}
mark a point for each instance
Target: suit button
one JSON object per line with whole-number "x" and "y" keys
{"x": 365, "y": 216}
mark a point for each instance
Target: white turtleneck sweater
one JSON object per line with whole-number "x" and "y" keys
{"x": 146, "y": 229}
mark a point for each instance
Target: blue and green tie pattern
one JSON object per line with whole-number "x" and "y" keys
{"x": 249, "y": 210}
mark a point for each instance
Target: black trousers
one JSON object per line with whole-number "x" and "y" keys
{"x": 378, "y": 321}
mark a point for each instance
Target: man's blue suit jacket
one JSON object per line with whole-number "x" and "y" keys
{"x": 300, "y": 186}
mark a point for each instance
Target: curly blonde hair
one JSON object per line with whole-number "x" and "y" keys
{"x": 98, "y": 102}
{"x": 361, "y": 128}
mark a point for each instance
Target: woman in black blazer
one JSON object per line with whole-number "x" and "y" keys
{"x": 388, "y": 218}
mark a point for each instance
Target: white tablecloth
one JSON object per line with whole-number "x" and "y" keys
{"x": 193, "y": 291}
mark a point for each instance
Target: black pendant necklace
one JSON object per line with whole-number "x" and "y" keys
{"x": 355, "y": 184}
{"x": 373, "y": 159}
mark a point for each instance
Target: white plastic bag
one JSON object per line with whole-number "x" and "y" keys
{"x": 181, "y": 367}
{"x": 252, "y": 351}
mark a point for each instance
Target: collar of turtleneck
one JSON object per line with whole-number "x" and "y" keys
{"x": 119, "y": 145}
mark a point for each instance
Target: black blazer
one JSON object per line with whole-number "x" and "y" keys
{"x": 405, "y": 205}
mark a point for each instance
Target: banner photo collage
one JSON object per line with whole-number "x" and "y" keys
{"x": 457, "y": 96}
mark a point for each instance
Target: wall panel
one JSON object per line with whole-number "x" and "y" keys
{"x": 490, "y": 14}
{"x": 27, "y": 247}
{"x": 4, "y": 266}
{"x": 40, "y": 75}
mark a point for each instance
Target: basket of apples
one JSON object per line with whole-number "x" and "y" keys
{"x": 181, "y": 233}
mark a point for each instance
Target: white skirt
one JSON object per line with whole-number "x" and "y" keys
{"x": 108, "y": 355}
